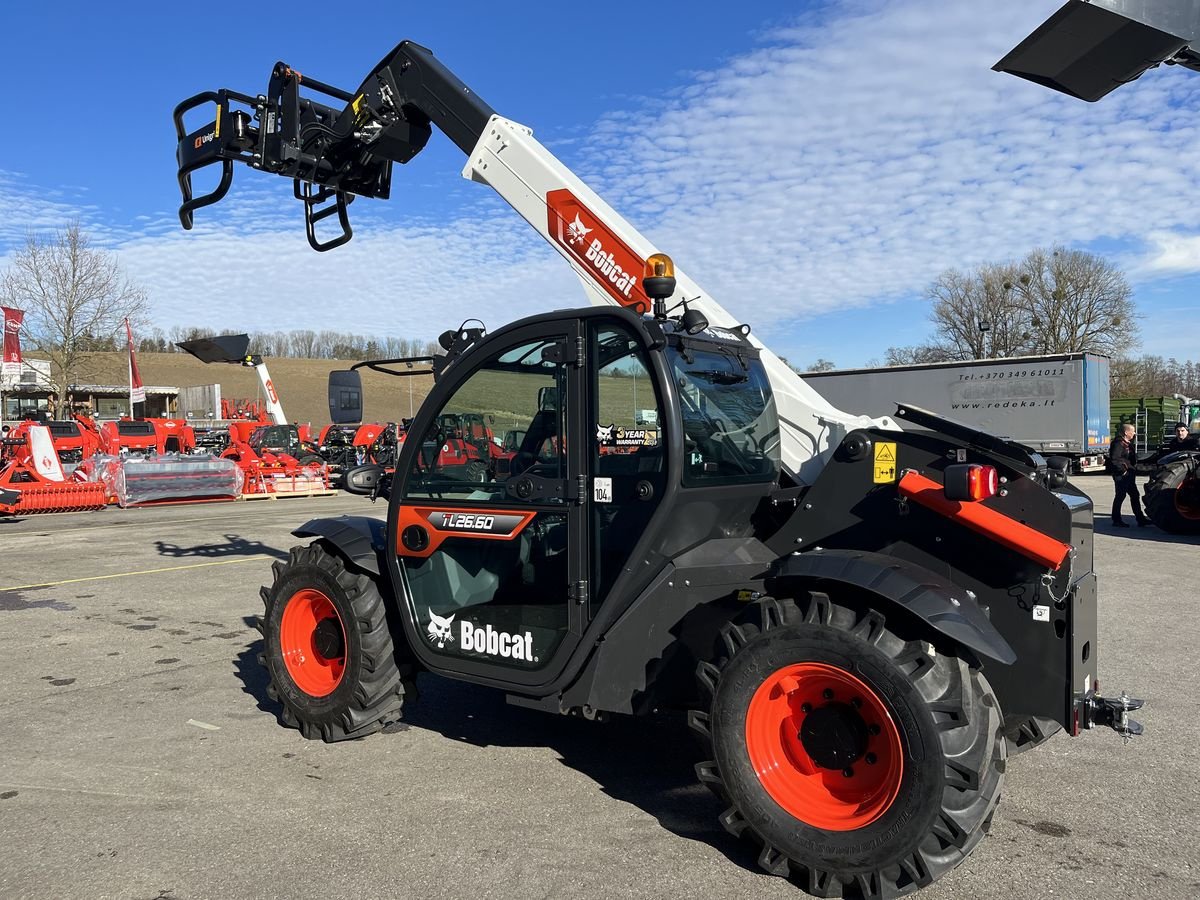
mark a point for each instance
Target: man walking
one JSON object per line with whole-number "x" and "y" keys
{"x": 1121, "y": 462}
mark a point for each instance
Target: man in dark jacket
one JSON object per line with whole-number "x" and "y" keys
{"x": 1121, "y": 463}
{"x": 1182, "y": 440}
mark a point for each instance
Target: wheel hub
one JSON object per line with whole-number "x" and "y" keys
{"x": 327, "y": 639}
{"x": 835, "y": 736}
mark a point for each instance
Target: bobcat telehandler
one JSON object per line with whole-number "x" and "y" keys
{"x": 863, "y": 622}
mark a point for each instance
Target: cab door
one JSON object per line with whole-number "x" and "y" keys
{"x": 491, "y": 564}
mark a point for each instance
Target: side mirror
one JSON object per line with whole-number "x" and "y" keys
{"x": 364, "y": 480}
{"x": 345, "y": 396}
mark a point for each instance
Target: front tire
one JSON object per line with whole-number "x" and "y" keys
{"x": 328, "y": 648}
{"x": 862, "y": 763}
{"x": 1173, "y": 496}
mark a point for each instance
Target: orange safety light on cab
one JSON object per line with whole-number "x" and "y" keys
{"x": 658, "y": 281}
{"x": 971, "y": 482}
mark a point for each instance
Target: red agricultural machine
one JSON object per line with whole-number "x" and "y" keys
{"x": 147, "y": 437}
{"x": 275, "y": 457}
{"x": 74, "y": 440}
{"x": 33, "y": 479}
{"x": 344, "y": 446}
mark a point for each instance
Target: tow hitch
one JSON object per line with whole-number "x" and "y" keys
{"x": 1112, "y": 712}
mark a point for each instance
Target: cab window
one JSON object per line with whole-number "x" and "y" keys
{"x": 504, "y": 420}
{"x": 731, "y": 430}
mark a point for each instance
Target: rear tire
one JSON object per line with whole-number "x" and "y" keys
{"x": 1030, "y": 733}
{"x": 861, "y": 827}
{"x": 1173, "y": 496}
{"x": 328, "y": 648}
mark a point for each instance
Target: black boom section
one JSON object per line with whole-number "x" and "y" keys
{"x": 412, "y": 80}
{"x": 333, "y": 153}
{"x": 944, "y": 606}
{"x": 357, "y": 539}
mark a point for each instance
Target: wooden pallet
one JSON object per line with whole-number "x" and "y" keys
{"x": 318, "y": 492}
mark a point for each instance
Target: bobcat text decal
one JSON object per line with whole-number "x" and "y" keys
{"x": 480, "y": 639}
{"x": 611, "y": 263}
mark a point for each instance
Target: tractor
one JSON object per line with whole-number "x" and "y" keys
{"x": 1172, "y": 494}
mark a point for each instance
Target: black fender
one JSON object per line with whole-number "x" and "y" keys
{"x": 945, "y": 607}
{"x": 360, "y": 540}
{"x": 1193, "y": 455}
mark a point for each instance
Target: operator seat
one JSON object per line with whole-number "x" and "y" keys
{"x": 543, "y": 427}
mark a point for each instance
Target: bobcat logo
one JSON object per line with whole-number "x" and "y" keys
{"x": 576, "y": 231}
{"x": 439, "y": 629}
{"x": 604, "y": 433}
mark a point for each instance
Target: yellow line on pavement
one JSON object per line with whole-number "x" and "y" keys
{"x": 221, "y": 562}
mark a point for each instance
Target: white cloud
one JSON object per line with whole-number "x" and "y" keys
{"x": 851, "y": 161}
{"x": 844, "y": 162}
{"x": 1171, "y": 254}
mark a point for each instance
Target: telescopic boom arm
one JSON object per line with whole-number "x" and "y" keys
{"x": 336, "y": 154}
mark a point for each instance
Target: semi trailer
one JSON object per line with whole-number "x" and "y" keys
{"x": 1056, "y": 405}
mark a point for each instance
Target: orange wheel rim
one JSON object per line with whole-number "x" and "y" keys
{"x": 312, "y": 641}
{"x": 824, "y": 746}
{"x": 1187, "y": 498}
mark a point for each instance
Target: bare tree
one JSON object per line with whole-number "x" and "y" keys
{"x": 974, "y": 316}
{"x": 822, "y": 365}
{"x": 75, "y": 299}
{"x": 1153, "y": 376}
{"x": 1074, "y": 302}
{"x": 916, "y": 356}
{"x": 304, "y": 343}
{"x": 1052, "y": 301}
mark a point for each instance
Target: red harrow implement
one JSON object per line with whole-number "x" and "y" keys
{"x": 31, "y": 470}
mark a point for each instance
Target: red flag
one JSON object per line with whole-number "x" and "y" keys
{"x": 137, "y": 392}
{"x": 12, "y": 340}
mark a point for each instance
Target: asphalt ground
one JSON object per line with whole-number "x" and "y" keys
{"x": 141, "y": 758}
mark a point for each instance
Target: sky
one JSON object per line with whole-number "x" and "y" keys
{"x": 812, "y": 165}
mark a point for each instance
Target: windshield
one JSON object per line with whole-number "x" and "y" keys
{"x": 731, "y": 430}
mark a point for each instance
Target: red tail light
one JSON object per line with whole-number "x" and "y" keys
{"x": 971, "y": 482}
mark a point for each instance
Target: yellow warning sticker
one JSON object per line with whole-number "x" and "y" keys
{"x": 885, "y": 462}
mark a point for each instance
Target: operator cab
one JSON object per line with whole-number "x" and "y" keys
{"x": 627, "y": 437}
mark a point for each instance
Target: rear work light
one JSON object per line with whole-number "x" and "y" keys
{"x": 971, "y": 482}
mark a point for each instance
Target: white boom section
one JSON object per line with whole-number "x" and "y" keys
{"x": 274, "y": 407}
{"x": 607, "y": 253}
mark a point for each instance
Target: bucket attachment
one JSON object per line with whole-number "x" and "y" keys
{"x": 1088, "y": 49}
